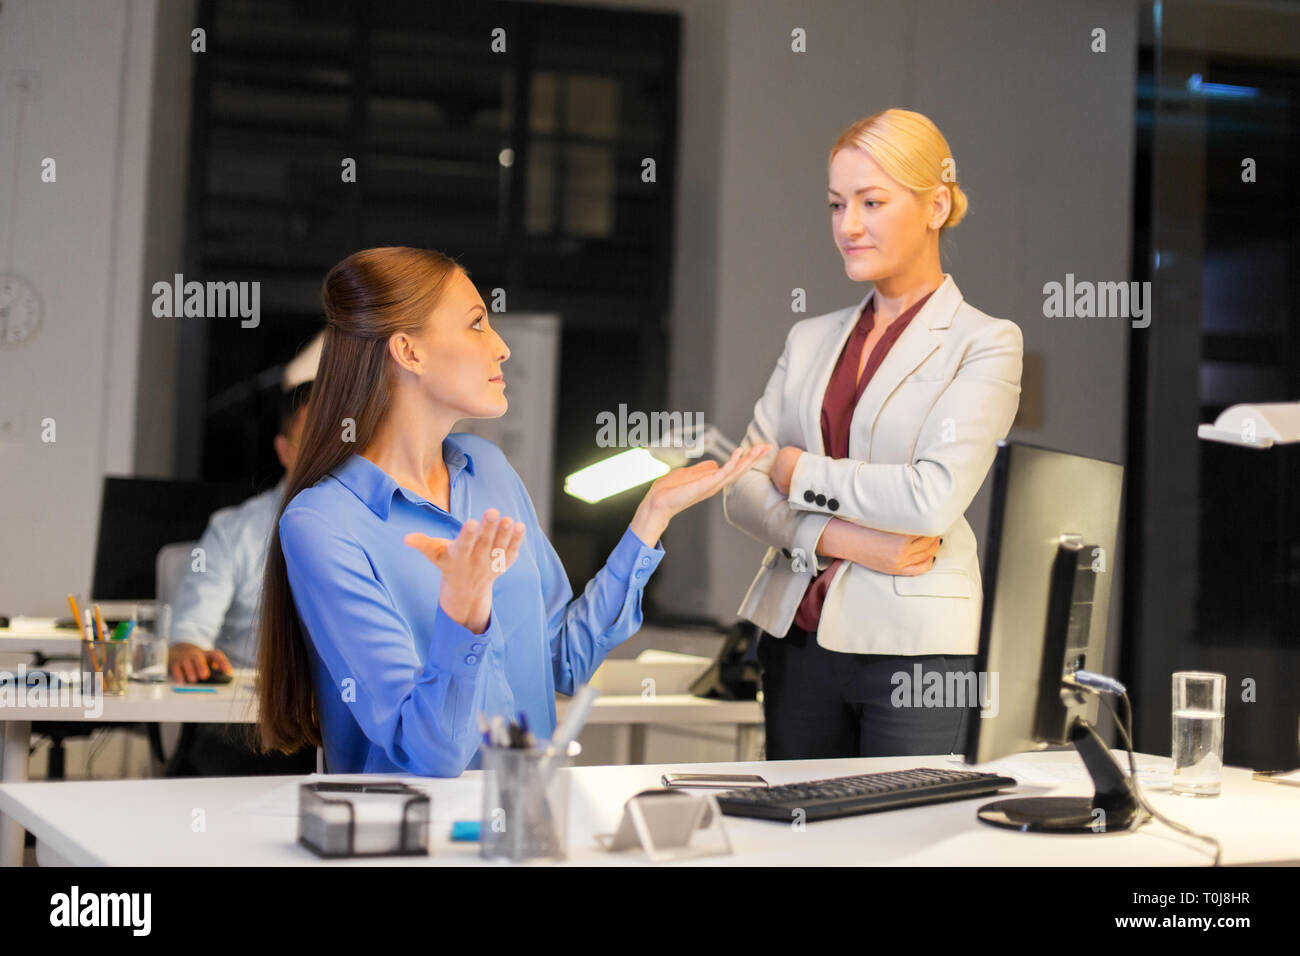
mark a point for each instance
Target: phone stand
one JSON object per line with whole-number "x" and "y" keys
{"x": 670, "y": 825}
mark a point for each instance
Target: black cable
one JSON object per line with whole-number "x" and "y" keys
{"x": 1125, "y": 734}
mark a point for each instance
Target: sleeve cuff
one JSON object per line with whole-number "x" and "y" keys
{"x": 811, "y": 485}
{"x": 632, "y": 561}
{"x": 800, "y": 484}
{"x": 805, "y": 541}
{"x": 458, "y": 650}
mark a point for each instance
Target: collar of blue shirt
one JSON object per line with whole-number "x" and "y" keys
{"x": 375, "y": 487}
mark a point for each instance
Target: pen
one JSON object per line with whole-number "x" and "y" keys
{"x": 77, "y": 622}
{"x": 195, "y": 690}
{"x": 567, "y": 731}
{"x": 88, "y": 632}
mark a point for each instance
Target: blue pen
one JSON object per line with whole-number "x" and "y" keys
{"x": 195, "y": 690}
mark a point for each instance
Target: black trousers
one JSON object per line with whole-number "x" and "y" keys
{"x": 819, "y": 703}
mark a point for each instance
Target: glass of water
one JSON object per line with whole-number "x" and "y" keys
{"x": 149, "y": 643}
{"x": 1199, "y": 698}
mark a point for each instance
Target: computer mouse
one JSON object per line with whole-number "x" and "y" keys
{"x": 217, "y": 677}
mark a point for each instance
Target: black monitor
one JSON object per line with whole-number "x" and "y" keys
{"x": 137, "y": 516}
{"x": 1048, "y": 566}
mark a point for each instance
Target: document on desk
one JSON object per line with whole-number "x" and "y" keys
{"x": 21, "y": 623}
{"x": 456, "y": 799}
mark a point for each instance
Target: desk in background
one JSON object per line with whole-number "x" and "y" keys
{"x": 46, "y": 642}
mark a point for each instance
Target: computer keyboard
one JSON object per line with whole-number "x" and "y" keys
{"x": 865, "y": 793}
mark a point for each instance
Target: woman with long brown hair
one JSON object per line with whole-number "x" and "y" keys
{"x": 391, "y": 617}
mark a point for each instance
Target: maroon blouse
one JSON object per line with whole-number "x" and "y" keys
{"x": 842, "y": 394}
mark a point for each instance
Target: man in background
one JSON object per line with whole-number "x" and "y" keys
{"x": 214, "y": 613}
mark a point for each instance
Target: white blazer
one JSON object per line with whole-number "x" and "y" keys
{"x": 922, "y": 439}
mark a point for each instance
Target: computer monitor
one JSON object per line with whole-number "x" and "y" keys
{"x": 1048, "y": 566}
{"x": 137, "y": 516}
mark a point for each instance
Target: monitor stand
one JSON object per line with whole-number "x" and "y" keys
{"x": 1112, "y": 808}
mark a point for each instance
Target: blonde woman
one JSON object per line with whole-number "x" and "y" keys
{"x": 884, "y": 417}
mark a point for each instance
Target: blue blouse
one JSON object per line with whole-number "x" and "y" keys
{"x": 399, "y": 685}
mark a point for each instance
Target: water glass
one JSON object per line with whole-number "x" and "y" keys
{"x": 149, "y": 645}
{"x": 1199, "y": 698}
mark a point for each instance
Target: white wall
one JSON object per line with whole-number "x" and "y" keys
{"x": 81, "y": 241}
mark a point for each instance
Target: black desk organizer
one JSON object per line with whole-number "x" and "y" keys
{"x": 337, "y": 838}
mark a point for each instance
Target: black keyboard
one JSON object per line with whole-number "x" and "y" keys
{"x": 865, "y": 793}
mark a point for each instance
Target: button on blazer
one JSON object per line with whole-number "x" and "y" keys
{"x": 922, "y": 439}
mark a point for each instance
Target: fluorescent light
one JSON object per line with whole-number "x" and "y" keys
{"x": 619, "y": 473}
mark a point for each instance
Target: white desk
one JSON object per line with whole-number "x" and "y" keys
{"x": 46, "y": 641}
{"x": 236, "y": 703}
{"x": 143, "y": 703}
{"x": 250, "y": 821}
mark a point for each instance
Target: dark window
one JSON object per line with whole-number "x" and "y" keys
{"x": 525, "y": 165}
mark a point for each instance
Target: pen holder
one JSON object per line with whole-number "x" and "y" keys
{"x": 112, "y": 660}
{"x": 525, "y": 803}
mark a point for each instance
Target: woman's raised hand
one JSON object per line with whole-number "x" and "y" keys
{"x": 470, "y": 563}
{"x": 676, "y": 491}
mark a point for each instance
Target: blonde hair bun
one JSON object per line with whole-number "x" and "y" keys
{"x": 910, "y": 149}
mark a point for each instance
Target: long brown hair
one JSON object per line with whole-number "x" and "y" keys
{"x": 367, "y": 297}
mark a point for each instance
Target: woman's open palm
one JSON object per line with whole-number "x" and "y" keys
{"x": 470, "y": 563}
{"x": 683, "y": 487}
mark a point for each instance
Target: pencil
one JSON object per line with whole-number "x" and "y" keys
{"x": 76, "y": 611}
